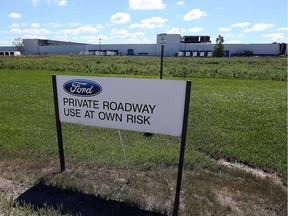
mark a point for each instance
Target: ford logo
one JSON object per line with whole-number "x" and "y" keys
{"x": 82, "y": 87}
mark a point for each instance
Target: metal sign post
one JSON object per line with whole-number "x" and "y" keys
{"x": 162, "y": 42}
{"x": 182, "y": 148}
{"x": 161, "y": 63}
{"x": 58, "y": 125}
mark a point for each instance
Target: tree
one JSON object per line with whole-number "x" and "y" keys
{"x": 18, "y": 44}
{"x": 219, "y": 47}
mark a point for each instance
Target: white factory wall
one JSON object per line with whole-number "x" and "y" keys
{"x": 9, "y": 51}
{"x": 126, "y": 49}
{"x": 30, "y": 47}
{"x": 7, "y": 48}
{"x": 66, "y": 49}
{"x": 172, "y": 45}
{"x": 258, "y": 49}
{"x": 171, "y": 48}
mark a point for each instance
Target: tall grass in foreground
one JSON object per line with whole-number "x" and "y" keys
{"x": 232, "y": 68}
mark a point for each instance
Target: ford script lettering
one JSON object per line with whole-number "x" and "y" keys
{"x": 82, "y": 87}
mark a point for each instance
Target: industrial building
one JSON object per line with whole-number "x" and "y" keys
{"x": 175, "y": 45}
{"x": 9, "y": 51}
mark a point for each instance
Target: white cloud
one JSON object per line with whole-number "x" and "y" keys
{"x": 62, "y": 2}
{"x": 259, "y": 27}
{"x": 233, "y": 42}
{"x": 119, "y": 32}
{"x": 14, "y": 25}
{"x": 134, "y": 37}
{"x": 103, "y": 37}
{"x": 126, "y": 36}
{"x": 120, "y": 18}
{"x": 62, "y": 38}
{"x": 82, "y": 30}
{"x": 14, "y": 15}
{"x": 15, "y": 31}
{"x": 35, "y": 25}
{"x": 229, "y": 35}
{"x": 194, "y": 14}
{"x": 58, "y": 2}
{"x": 34, "y": 2}
{"x": 283, "y": 29}
{"x": 53, "y": 24}
{"x": 174, "y": 30}
{"x": 31, "y": 31}
{"x": 18, "y": 25}
{"x": 85, "y": 29}
{"x": 36, "y": 31}
{"x": 146, "y": 4}
{"x": 181, "y": 3}
{"x": 3, "y": 32}
{"x": 195, "y": 29}
{"x": 150, "y": 23}
{"x": 223, "y": 29}
{"x": 99, "y": 26}
{"x": 241, "y": 25}
{"x": 5, "y": 41}
{"x": 275, "y": 36}
{"x": 242, "y": 35}
{"x": 93, "y": 39}
{"x": 73, "y": 24}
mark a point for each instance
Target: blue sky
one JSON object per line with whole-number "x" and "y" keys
{"x": 139, "y": 21}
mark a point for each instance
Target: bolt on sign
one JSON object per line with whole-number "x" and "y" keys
{"x": 145, "y": 105}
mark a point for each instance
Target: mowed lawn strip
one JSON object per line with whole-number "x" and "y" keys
{"x": 241, "y": 120}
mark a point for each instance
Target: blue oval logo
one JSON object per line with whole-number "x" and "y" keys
{"x": 82, "y": 87}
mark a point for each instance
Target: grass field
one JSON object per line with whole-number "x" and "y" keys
{"x": 238, "y": 113}
{"x": 239, "y": 68}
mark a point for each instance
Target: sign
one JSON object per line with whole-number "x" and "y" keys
{"x": 144, "y": 105}
{"x": 156, "y": 106}
{"x": 163, "y": 38}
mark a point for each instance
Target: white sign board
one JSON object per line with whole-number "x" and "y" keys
{"x": 144, "y": 105}
{"x": 162, "y": 38}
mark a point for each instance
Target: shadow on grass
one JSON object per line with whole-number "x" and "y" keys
{"x": 75, "y": 203}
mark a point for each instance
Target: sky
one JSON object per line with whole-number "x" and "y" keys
{"x": 139, "y": 21}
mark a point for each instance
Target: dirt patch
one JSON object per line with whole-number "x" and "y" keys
{"x": 226, "y": 199}
{"x": 240, "y": 206}
{"x": 214, "y": 190}
{"x": 257, "y": 172}
{"x": 10, "y": 189}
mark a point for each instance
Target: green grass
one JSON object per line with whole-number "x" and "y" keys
{"x": 235, "y": 68}
{"x": 28, "y": 126}
{"x": 232, "y": 116}
{"x": 240, "y": 120}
